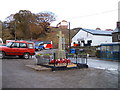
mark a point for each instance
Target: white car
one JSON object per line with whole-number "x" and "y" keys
{"x": 1, "y": 41}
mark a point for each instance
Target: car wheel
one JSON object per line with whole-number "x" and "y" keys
{"x": 26, "y": 56}
{"x": 2, "y": 54}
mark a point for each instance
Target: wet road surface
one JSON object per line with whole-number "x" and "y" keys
{"x": 17, "y": 75}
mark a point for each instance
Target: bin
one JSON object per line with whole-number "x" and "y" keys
{"x": 72, "y": 50}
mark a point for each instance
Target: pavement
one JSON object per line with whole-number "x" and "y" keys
{"x": 39, "y": 68}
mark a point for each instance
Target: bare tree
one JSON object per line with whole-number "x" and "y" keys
{"x": 45, "y": 19}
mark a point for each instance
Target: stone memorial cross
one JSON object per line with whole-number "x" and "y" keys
{"x": 60, "y": 36}
{"x": 61, "y": 51}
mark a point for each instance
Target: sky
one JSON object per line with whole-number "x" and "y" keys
{"x": 90, "y": 14}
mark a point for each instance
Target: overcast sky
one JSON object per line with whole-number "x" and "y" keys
{"x": 88, "y": 14}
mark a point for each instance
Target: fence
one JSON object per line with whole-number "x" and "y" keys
{"x": 70, "y": 58}
{"x": 76, "y": 58}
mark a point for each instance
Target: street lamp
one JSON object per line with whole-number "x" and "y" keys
{"x": 69, "y": 36}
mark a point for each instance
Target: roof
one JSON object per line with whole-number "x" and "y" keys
{"x": 98, "y": 32}
{"x": 20, "y": 41}
{"x": 116, "y": 30}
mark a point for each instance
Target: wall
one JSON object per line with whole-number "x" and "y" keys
{"x": 82, "y": 35}
{"x": 97, "y": 40}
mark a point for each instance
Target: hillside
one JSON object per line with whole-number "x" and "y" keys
{"x": 52, "y": 36}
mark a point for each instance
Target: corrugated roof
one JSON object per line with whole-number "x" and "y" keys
{"x": 98, "y": 32}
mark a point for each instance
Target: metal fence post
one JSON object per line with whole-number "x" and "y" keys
{"x": 54, "y": 60}
{"x": 76, "y": 58}
{"x": 66, "y": 59}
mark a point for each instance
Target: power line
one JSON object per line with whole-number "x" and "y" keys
{"x": 94, "y": 14}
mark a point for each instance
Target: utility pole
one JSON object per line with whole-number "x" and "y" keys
{"x": 31, "y": 32}
{"x": 15, "y": 30}
{"x": 69, "y": 39}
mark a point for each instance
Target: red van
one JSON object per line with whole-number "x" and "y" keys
{"x": 23, "y": 49}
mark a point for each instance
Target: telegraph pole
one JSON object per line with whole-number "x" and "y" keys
{"x": 15, "y": 30}
{"x": 69, "y": 38}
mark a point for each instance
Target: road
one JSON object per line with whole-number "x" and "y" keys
{"x": 17, "y": 75}
{"x": 105, "y": 65}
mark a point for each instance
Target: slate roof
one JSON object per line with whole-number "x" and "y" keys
{"x": 116, "y": 30}
{"x": 98, "y": 32}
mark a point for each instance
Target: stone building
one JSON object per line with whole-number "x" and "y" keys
{"x": 116, "y": 33}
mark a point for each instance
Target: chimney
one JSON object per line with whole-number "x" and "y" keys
{"x": 118, "y": 26}
{"x": 119, "y": 11}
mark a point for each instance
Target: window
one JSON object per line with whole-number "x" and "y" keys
{"x": 103, "y": 48}
{"x": 118, "y": 37}
{"x": 30, "y": 46}
{"x": 9, "y": 44}
{"x": 116, "y": 48}
{"x": 23, "y": 45}
{"x": 109, "y": 48}
{"x": 15, "y": 45}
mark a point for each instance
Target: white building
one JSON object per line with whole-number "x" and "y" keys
{"x": 89, "y": 37}
{"x": 63, "y": 24}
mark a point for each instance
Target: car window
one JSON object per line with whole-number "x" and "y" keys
{"x": 15, "y": 45}
{"x": 30, "y": 46}
{"x": 9, "y": 44}
{"x": 23, "y": 45}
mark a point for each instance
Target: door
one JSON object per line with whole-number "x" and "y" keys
{"x": 13, "y": 49}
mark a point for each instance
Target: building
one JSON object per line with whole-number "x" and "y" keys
{"x": 63, "y": 24}
{"x": 110, "y": 51}
{"x": 90, "y": 37}
{"x": 116, "y": 33}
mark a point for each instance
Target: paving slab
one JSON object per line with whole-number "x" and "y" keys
{"x": 39, "y": 68}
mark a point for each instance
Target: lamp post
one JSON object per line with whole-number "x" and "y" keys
{"x": 69, "y": 37}
{"x": 31, "y": 31}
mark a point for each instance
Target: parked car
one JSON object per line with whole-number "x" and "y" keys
{"x": 23, "y": 49}
{"x": 2, "y": 44}
{"x": 40, "y": 45}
